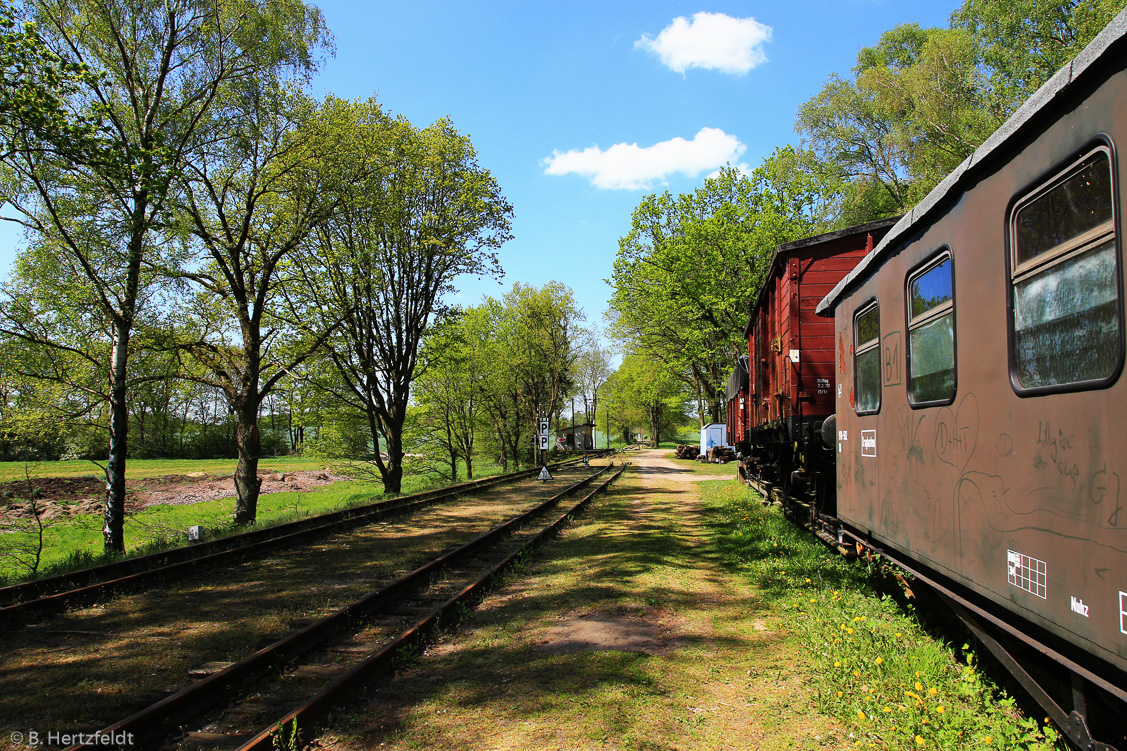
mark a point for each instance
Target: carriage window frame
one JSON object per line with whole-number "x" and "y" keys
{"x": 1061, "y": 254}
{"x": 861, "y": 348}
{"x": 917, "y": 321}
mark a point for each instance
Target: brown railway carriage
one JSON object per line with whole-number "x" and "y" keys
{"x": 791, "y": 368}
{"x": 980, "y": 407}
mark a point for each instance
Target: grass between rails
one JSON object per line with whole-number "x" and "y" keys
{"x": 76, "y": 542}
{"x": 625, "y": 633}
{"x": 874, "y": 666}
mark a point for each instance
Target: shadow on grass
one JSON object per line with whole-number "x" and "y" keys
{"x": 634, "y": 560}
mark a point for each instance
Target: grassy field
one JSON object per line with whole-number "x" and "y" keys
{"x": 76, "y": 542}
{"x": 872, "y": 664}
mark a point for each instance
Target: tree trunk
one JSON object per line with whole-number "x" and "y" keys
{"x": 393, "y": 475}
{"x": 247, "y": 484}
{"x": 467, "y": 448}
{"x": 113, "y": 532}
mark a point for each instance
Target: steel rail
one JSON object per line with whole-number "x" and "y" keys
{"x": 132, "y": 574}
{"x": 320, "y": 705}
{"x": 166, "y": 716}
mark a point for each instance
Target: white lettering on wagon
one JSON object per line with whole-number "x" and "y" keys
{"x": 1078, "y": 606}
{"x": 869, "y": 443}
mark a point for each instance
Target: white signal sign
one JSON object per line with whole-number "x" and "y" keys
{"x": 543, "y": 426}
{"x": 543, "y": 439}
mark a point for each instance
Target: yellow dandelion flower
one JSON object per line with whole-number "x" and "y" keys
{"x": 849, "y": 631}
{"x": 919, "y": 740}
{"x": 919, "y": 686}
{"x": 925, "y": 722}
{"x": 837, "y": 664}
{"x": 932, "y": 691}
{"x": 860, "y": 714}
{"x": 856, "y": 674}
{"x": 898, "y": 635}
{"x": 987, "y": 739}
{"x": 939, "y": 709}
{"x": 808, "y": 581}
{"x": 857, "y": 619}
{"x": 864, "y": 617}
{"x": 887, "y": 709}
{"x": 839, "y": 694}
{"x": 879, "y": 660}
{"x": 812, "y": 599}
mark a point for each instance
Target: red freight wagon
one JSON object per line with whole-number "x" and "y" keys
{"x": 792, "y": 362}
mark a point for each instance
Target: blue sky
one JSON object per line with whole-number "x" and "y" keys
{"x": 551, "y": 86}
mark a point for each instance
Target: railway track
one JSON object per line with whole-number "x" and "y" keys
{"x": 259, "y": 701}
{"x": 21, "y": 603}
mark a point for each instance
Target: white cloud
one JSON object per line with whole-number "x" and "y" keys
{"x": 711, "y": 40}
{"x": 632, "y": 167}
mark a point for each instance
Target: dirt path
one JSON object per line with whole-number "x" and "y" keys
{"x": 75, "y": 496}
{"x": 627, "y": 633}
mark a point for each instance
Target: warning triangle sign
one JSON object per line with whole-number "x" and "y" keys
{"x": 544, "y": 474}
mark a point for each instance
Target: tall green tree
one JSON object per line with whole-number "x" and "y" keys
{"x": 540, "y": 329}
{"x": 912, "y": 111}
{"x": 648, "y": 396}
{"x": 921, "y": 101}
{"x": 249, "y": 201}
{"x": 426, "y": 214}
{"x": 1022, "y": 43}
{"x": 157, "y": 68}
{"x": 450, "y": 385}
{"x": 691, "y": 265}
{"x": 592, "y": 369}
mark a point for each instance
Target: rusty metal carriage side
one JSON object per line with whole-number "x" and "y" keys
{"x": 791, "y": 359}
{"x": 1012, "y": 491}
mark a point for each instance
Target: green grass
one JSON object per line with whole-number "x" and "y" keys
{"x": 873, "y": 665}
{"x": 141, "y": 468}
{"x": 76, "y": 542}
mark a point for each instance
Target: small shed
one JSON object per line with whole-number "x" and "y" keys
{"x": 715, "y": 434}
{"x": 577, "y": 437}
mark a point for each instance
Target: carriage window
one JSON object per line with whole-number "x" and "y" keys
{"x": 931, "y": 334}
{"x": 1066, "y": 316}
{"x": 866, "y": 360}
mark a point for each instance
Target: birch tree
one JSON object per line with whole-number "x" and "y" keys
{"x": 157, "y": 68}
